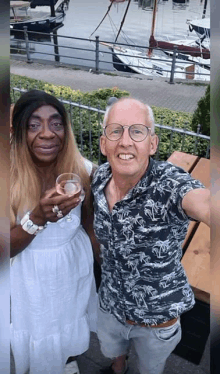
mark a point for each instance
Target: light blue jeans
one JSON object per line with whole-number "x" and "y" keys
{"x": 153, "y": 345}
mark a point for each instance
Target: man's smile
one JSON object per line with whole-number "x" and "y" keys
{"x": 125, "y": 156}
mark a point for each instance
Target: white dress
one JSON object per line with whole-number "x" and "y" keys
{"x": 53, "y": 298}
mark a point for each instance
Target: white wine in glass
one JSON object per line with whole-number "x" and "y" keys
{"x": 69, "y": 184}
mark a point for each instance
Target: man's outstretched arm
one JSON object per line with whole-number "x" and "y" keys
{"x": 196, "y": 204}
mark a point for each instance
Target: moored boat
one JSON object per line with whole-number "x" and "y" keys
{"x": 192, "y": 61}
{"x": 21, "y": 17}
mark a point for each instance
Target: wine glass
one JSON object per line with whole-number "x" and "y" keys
{"x": 69, "y": 184}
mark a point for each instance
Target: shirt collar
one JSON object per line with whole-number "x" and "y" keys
{"x": 104, "y": 174}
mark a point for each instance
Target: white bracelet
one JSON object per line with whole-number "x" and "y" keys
{"x": 28, "y": 226}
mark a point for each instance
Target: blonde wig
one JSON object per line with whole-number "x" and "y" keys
{"x": 26, "y": 184}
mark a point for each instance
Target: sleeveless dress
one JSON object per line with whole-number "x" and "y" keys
{"x": 53, "y": 297}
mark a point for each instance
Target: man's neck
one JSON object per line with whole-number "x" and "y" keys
{"x": 122, "y": 185}
{"x": 118, "y": 187}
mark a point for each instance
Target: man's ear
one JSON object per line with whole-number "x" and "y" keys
{"x": 153, "y": 144}
{"x": 102, "y": 144}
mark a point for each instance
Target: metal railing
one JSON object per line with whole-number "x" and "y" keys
{"x": 171, "y": 67}
{"x": 86, "y": 123}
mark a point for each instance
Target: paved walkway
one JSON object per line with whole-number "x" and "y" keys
{"x": 156, "y": 91}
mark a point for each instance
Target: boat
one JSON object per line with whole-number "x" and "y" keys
{"x": 200, "y": 26}
{"x": 35, "y": 3}
{"x": 134, "y": 61}
{"x": 195, "y": 51}
{"x": 21, "y": 17}
{"x": 189, "y": 60}
{"x": 180, "y": 4}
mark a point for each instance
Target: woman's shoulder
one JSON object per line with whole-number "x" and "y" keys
{"x": 90, "y": 166}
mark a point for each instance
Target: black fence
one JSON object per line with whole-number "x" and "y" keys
{"x": 86, "y": 123}
{"x": 124, "y": 57}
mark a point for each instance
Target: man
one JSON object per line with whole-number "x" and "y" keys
{"x": 142, "y": 211}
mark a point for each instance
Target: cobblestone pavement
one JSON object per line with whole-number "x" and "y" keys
{"x": 156, "y": 91}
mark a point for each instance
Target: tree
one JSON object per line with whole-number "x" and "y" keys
{"x": 201, "y": 115}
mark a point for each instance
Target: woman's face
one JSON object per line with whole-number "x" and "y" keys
{"x": 45, "y": 134}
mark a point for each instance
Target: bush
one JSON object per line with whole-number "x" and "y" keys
{"x": 87, "y": 124}
{"x": 201, "y": 115}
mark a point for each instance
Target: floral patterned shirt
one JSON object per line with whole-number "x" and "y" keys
{"x": 142, "y": 276}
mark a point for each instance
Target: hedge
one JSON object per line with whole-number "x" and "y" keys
{"x": 201, "y": 116}
{"x": 84, "y": 121}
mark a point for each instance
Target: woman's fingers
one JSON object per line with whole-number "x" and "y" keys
{"x": 49, "y": 193}
{"x": 59, "y": 199}
{"x": 51, "y": 205}
{"x": 70, "y": 204}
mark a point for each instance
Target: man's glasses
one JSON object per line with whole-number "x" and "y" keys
{"x": 137, "y": 132}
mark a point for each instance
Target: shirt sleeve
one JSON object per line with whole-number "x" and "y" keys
{"x": 180, "y": 183}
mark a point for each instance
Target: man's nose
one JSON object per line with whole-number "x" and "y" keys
{"x": 126, "y": 139}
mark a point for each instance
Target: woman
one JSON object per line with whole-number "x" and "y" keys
{"x": 53, "y": 296}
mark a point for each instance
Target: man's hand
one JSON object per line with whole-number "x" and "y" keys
{"x": 196, "y": 204}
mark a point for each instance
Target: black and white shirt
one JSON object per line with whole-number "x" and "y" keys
{"x": 142, "y": 276}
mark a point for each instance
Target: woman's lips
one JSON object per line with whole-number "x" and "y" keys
{"x": 47, "y": 149}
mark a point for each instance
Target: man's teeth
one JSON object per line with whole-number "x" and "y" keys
{"x": 125, "y": 156}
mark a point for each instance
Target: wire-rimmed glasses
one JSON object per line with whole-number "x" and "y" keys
{"x": 137, "y": 132}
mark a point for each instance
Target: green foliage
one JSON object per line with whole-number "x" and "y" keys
{"x": 87, "y": 124}
{"x": 170, "y": 141}
{"x": 201, "y": 115}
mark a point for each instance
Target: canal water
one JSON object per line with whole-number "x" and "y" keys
{"x": 83, "y": 16}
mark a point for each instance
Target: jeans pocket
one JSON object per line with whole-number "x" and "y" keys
{"x": 168, "y": 333}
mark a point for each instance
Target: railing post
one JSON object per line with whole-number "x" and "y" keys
{"x": 56, "y": 49}
{"x": 27, "y": 45}
{"x": 173, "y": 65}
{"x": 97, "y": 54}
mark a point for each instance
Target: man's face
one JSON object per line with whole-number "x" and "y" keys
{"x": 127, "y": 157}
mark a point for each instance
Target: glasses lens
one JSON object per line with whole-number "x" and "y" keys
{"x": 138, "y": 132}
{"x": 113, "y": 131}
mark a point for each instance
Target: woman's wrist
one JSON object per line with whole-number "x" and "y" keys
{"x": 30, "y": 225}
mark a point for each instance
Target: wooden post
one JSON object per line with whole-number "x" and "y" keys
{"x": 173, "y": 65}
{"x": 52, "y": 10}
{"x": 204, "y": 9}
{"x": 27, "y": 45}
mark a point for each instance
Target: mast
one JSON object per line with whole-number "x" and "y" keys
{"x": 152, "y": 27}
{"x": 108, "y": 10}
{"x": 122, "y": 22}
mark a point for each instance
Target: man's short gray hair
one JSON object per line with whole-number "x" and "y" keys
{"x": 113, "y": 102}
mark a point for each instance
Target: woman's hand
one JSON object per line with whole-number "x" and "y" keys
{"x": 43, "y": 212}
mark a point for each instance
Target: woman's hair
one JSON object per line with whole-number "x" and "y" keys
{"x": 26, "y": 184}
